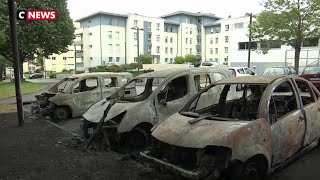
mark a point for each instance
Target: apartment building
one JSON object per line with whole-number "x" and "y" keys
{"x": 105, "y": 38}
{"x": 227, "y": 43}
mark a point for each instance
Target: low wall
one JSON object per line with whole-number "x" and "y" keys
{"x": 62, "y": 76}
{"x": 158, "y": 67}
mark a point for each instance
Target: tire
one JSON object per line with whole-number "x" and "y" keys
{"x": 60, "y": 114}
{"x": 251, "y": 170}
{"x": 139, "y": 138}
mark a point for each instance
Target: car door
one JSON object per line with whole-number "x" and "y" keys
{"x": 110, "y": 84}
{"x": 86, "y": 91}
{"x": 288, "y": 122}
{"x": 173, "y": 96}
{"x": 310, "y": 105}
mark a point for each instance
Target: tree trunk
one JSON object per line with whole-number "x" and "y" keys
{"x": 297, "y": 51}
{"x": 2, "y": 69}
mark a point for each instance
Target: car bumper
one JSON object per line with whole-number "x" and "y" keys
{"x": 173, "y": 168}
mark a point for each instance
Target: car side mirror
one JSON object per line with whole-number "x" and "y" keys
{"x": 163, "y": 102}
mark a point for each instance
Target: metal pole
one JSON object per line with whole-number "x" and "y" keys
{"x": 75, "y": 58}
{"x": 16, "y": 59}
{"x": 125, "y": 52}
{"x": 138, "y": 48}
{"x": 285, "y": 58}
{"x": 249, "y": 45}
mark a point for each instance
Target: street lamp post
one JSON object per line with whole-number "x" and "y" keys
{"x": 249, "y": 45}
{"x": 138, "y": 54}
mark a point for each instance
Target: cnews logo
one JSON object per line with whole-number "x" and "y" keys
{"x": 33, "y": 15}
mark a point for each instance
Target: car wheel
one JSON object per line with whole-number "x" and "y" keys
{"x": 251, "y": 170}
{"x": 138, "y": 138}
{"x": 60, "y": 114}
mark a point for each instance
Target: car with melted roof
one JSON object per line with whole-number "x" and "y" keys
{"x": 273, "y": 121}
{"x": 72, "y": 96}
{"x": 129, "y": 114}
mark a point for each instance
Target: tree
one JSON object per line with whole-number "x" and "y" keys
{"x": 145, "y": 59}
{"x": 288, "y": 21}
{"x": 191, "y": 58}
{"x": 37, "y": 38}
{"x": 179, "y": 60}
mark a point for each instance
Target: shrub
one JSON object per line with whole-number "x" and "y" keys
{"x": 179, "y": 60}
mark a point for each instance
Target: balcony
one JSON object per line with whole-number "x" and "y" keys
{"x": 78, "y": 31}
{"x": 198, "y": 46}
{"x": 78, "y": 42}
{"x": 79, "y": 53}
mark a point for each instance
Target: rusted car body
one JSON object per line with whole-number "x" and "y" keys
{"x": 72, "y": 96}
{"x": 273, "y": 120}
{"x": 146, "y": 100}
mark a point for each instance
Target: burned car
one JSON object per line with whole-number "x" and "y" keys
{"x": 272, "y": 121}
{"x": 72, "y": 96}
{"x": 129, "y": 114}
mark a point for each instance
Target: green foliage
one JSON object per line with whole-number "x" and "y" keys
{"x": 290, "y": 22}
{"x": 145, "y": 59}
{"x": 191, "y": 58}
{"x": 80, "y": 72}
{"x": 136, "y": 65}
{"x": 126, "y": 67}
{"x": 112, "y": 68}
{"x": 53, "y": 76}
{"x": 179, "y": 60}
{"x": 37, "y": 38}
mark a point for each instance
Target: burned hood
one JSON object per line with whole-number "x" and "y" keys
{"x": 176, "y": 131}
{"x": 95, "y": 112}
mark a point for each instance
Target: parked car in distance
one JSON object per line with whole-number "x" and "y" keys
{"x": 280, "y": 71}
{"x": 246, "y": 137}
{"x": 72, "y": 96}
{"x": 12, "y": 77}
{"x": 208, "y": 63}
{"x": 312, "y": 73}
{"x": 36, "y": 76}
{"x": 147, "y": 99}
{"x": 241, "y": 71}
{"x": 3, "y": 77}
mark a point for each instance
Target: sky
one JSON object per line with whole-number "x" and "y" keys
{"x": 156, "y": 8}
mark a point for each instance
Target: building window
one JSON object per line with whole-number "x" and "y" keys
{"x": 158, "y": 38}
{"x": 171, "y": 29}
{"x": 211, "y": 40}
{"x": 186, "y": 40}
{"x": 244, "y": 45}
{"x": 110, "y": 21}
{"x": 135, "y": 23}
{"x": 238, "y": 25}
{"x": 211, "y": 50}
{"x": 110, "y": 34}
{"x": 171, "y": 40}
{"x": 53, "y": 58}
{"x": 116, "y": 21}
{"x": 64, "y": 58}
{"x": 226, "y": 39}
{"x": 216, "y": 59}
{"x": 216, "y": 50}
{"x": 117, "y": 47}
{"x": 270, "y": 44}
{"x": 166, "y": 39}
{"x": 158, "y": 26}
{"x": 166, "y": 60}
{"x": 117, "y": 35}
{"x": 149, "y": 48}
{"x": 90, "y": 46}
{"x": 217, "y": 40}
{"x": 311, "y": 42}
{"x": 226, "y": 27}
{"x": 190, "y": 30}
{"x": 149, "y": 36}
{"x": 190, "y": 40}
{"x": 199, "y": 51}
{"x": 171, "y": 60}
{"x": 211, "y": 30}
{"x": 91, "y": 58}
{"x": 187, "y": 30}
{"x": 158, "y": 49}
{"x": 110, "y": 47}
{"x": 199, "y": 30}
{"x": 117, "y": 59}
{"x": 110, "y": 59}
{"x": 225, "y": 49}
{"x": 199, "y": 21}
{"x": 199, "y": 41}
{"x": 190, "y": 51}
{"x": 89, "y": 21}
{"x": 171, "y": 50}
{"x": 165, "y": 28}
{"x": 90, "y": 34}
{"x": 166, "y": 50}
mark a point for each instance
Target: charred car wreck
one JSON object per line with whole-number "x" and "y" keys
{"x": 72, "y": 96}
{"x": 144, "y": 101}
{"x": 275, "y": 119}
